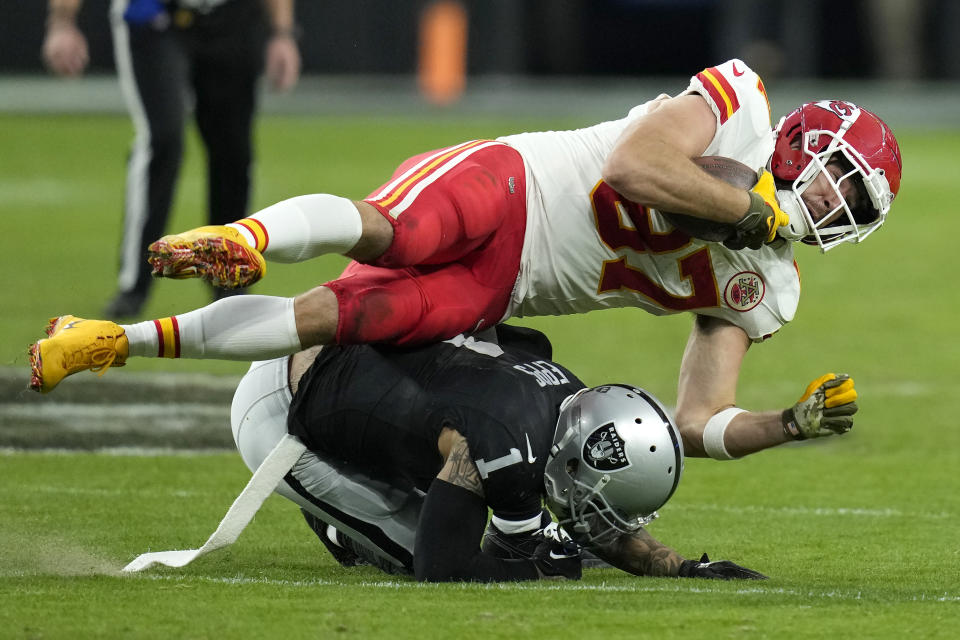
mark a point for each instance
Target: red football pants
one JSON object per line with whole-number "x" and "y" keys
{"x": 458, "y": 217}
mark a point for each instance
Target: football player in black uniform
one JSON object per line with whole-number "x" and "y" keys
{"x": 409, "y": 448}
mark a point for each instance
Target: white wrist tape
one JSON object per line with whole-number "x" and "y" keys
{"x": 714, "y": 431}
{"x": 513, "y": 527}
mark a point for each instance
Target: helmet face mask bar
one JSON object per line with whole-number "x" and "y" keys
{"x": 616, "y": 459}
{"x": 591, "y": 519}
{"x": 826, "y": 132}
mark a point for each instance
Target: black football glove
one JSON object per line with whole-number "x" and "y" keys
{"x": 556, "y": 560}
{"x": 719, "y": 570}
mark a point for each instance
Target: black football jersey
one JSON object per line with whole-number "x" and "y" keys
{"x": 382, "y": 408}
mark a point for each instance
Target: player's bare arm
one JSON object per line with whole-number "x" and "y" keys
{"x": 641, "y": 554}
{"x": 651, "y": 163}
{"x": 709, "y": 421}
{"x": 458, "y": 469}
{"x": 708, "y": 385}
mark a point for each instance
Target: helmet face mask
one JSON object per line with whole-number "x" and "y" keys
{"x": 590, "y": 518}
{"x": 616, "y": 459}
{"x": 826, "y": 132}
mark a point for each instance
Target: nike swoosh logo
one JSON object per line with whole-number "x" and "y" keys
{"x": 736, "y": 72}
{"x": 530, "y": 457}
{"x": 562, "y": 556}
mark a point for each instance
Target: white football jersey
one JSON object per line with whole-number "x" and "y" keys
{"x": 586, "y": 247}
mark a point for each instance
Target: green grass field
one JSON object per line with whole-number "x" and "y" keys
{"x": 857, "y": 533}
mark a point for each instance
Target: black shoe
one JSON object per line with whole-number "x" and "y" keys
{"x": 516, "y": 546}
{"x": 344, "y": 556}
{"x": 126, "y": 304}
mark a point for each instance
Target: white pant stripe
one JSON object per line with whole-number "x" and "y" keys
{"x": 412, "y": 170}
{"x": 135, "y": 214}
{"x": 408, "y": 199}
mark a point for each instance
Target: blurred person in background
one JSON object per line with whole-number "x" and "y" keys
{"x": 170, "y": 56}
{"x": 897, "y": 37}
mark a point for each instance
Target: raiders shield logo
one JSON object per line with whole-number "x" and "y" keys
{"x": 603, "y": 449}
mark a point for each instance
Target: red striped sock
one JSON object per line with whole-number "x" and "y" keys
{"x": 168, "y": 336}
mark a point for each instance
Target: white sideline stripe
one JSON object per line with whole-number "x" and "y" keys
{"x": 539, "y": 586}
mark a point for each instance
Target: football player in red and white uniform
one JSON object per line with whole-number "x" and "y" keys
{"x": 552, "y": 223}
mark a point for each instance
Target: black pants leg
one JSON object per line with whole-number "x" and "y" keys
{"x": 155, "y": 84}
{"x": 227, "y": 58}
{"x": 225, "y": 85}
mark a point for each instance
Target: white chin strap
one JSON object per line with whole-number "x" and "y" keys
{"x": 799, "y": 226}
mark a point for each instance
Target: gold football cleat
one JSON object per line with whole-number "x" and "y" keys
{"x": 217, "y": 254}
{"x": 75, "y": 344}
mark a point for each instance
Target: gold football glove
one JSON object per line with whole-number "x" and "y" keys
{"x": 825, "y": 408}
{"x": 763, "y": 218}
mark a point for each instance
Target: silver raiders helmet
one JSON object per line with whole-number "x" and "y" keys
{"x": 617, "y": 457}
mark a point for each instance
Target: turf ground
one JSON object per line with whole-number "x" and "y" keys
{"x": 857, "y": 533}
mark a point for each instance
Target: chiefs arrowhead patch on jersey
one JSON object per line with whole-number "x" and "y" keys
{"x": 744, "y": 291}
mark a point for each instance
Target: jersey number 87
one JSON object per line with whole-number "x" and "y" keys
{"x": 695, "y": 266}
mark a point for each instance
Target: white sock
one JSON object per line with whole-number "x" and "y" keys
{"x": 235, "y": 328}
{"x": 303, "y": 227}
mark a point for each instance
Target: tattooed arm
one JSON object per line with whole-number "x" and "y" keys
{"x": 640, "y": 554}
{"x": 452, "y": 521}
{"x": 459, "y": 469}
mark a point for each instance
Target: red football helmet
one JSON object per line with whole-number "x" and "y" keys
{"x": 865, "y": 147}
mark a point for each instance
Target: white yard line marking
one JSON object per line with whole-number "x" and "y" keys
{"x": 137, "y": 452}
{"x": 574, "y": 587}
{"x": 68, "y": 412}
{"x": 830, "y": 512}
{"x": 89, "y": 491}
{"x": 814, "y": 511}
